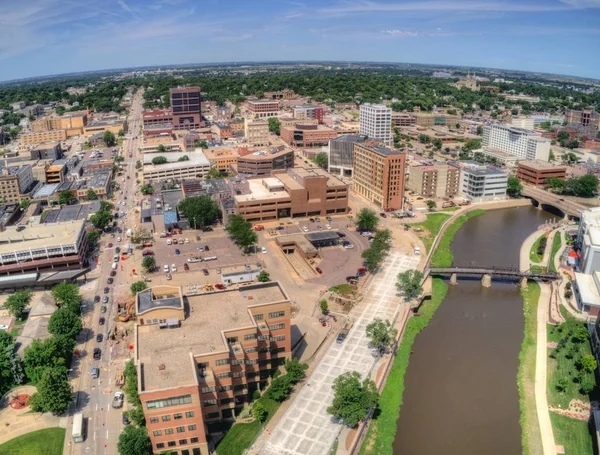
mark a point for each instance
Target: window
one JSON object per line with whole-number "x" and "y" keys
{"x": 157, "y": 432}
{"x": 279, "y": 338}
{"x": 210, "y": 415}
{"x": 171, "y": 443}
{"x": 263, "y": 337}
{"x": 168, "y": 430}
{"x": 226, "y": 400}
{"x": 224, "y": 388}
{"x": 180, "y": 429}
{"x": 250, "y": 336}
{"x": 263, "y": 350}
{"x": 251, "y": 362}
{"x": 209, "y": 402}
{"x": 175, "y": 401}
{"x": 189, "y": 414}
{"x": 258, "y": 317}
{"x": 277, "y": 326}
{"x": 237, "y": 362}
{"x": 277, "y": 350}
{"x": 182, "y": 442}
{"x": 222, "y": 362}
{"x": 166, "y": 418}
{"x": 277, "y": 314}
{"x": 238, "y": 374}
{"x": 192, "y": 427}
{"x": 252, "y": 349}
{"x": 223, "y": 375}
{"x": 194, "y": 441}
{"x": 178, "y": 416}
{"x": 160, "y": 445}
{"x": 208, "y": 389}
{"x": 153, "y": 419}
{"x": 232, "y": 340}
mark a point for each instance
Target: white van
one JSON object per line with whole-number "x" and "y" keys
{"x": 417, "y": 251}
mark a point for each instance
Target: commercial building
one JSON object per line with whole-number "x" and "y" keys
{"x": 263, "y": 162}
{"x": 153, "y": 142}
{"x": 56, "y": 172}
{"x": 379, "y": 175}
{"x": 428, "y": 119}
{"x": 308, "y": 135}
{"x": 285, "y": 94}
{"x": 297, "y": 192}
{"x": 43, "y": 247}
{"x": 519, "y": 142}
{"x": 217, "y": 189}
{"x": 376, "y": 122}
{"x": 341, "y": 153}
{"x": 186, "y": 108}
{"x": 157, "y": 121}
{"x": 222, "y": 130}
{"x": 223, "y": 159}
{"x": 480, "y": 182}
{"x": 309, "y": 112}
{"x": 101, "y": 126}
{"x": 49, "y": 151}
{"x": 498, "y": 156}
{"x": 526, "y": 123}
{"x": 441, "y": 180}
{"x": 200, "y": 358}
{"x": 43, "y": 136}
{"x": 402, "y": 119}
{"x": 256, "y": 133}
{"x": 587, "y": 278}
{"x": 587, "y": 121}
{"x": 68, "y": 121}
{"x": 263, "y": 108}
{"x": 537, "y": 172}
{"x": 196, "y": 167}
{"x": 15, "y": 181}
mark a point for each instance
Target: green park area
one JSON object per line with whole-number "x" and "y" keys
{"x": 47, "y": 442}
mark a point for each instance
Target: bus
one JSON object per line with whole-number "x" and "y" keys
{"x": 78, "y": 428}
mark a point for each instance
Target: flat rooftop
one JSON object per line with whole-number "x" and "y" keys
{"x": 201, "y": 333}
{"x": 258, "y": 191}
{"x": 148, "y": 300}
{"x": 541, "y": 165}
{"x": 39, "y": 236}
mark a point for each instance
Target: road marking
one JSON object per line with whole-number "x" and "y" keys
{"x": 94, "y": 435}
{"x": 106, "y": 434}
{"x": 96, "y": 406}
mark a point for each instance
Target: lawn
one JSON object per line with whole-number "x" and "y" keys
{"x": 432, "y": 226}
{"x": 533, "y": 255}
{"x": 573, "y": 434}
{"x": 443, "y": 257}
{"x": 555, "y": 247}
{"x": 242, "y": 435}
{"x": 382, "y": 430}
{"x": 48, "y": 442}
{"x": 530, "y": 430}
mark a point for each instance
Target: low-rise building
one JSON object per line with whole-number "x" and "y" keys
{"x": 479, "y": 182}
{"x": 43, "y": 136}
{"x": 588, "y": 240}
{"x": 217, "y": 189}
{"x": 308, "y": 135}
{"x": 257, "y": 133}
{"x": 223, "y": 159}
{"x": 72, "y": 121}
{"x": 101, "y": 126}
{"x": 222, "y": 130}
{"x": 309, "y": 111}
{"x": 15, "y": 182}
{"x": 234, "y": 340}
{"x": 48, "y": 151}
{"x": 157, "y": 121}
{"x": 524, "y": 144}
{"x": 56, "y": 172}
{"x": 196, "y": 167}
{"x": 263, "y": 162}
{"x": 441, "y": 180}
{"x": 537, "y": 172}
{"x": 498, "y": 156}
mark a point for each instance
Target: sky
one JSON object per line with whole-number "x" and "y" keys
{"x": 43, "y": 37}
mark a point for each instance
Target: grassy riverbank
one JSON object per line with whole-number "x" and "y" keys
{"x": 555, "y": 247}
{"x": 533, "y": 254}
{"x": 431, "y": 226}
{"x": 443, "y": 257}
{"x": 382, "y": 430}
{"x": 530, "y": 429}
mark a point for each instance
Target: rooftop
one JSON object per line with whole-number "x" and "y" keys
{"x": 259, "y": 191}
{"x": 350, "y": 138}
{"x": 39, "y": 236}
{"x": 168, "y": 296}
{"x": 541, "y": 165}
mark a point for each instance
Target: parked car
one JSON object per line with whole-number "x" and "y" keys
{"x": 206, "y": 248}
{"x": 205, "y": 271}
{"x": 110, "y": 280}
{"x": 327, "y": 226}
{"x": 105, "y": 299}
{"x": 101, "y": 321}
{"x": 118, "y": 399}
{"x": 117, "y": 250}
{"x": 312, "y": 220}
{"x": 328, "y": 218}
{"x": 168, "y": 276}
{"x": 247, "y": 266}
{"x": 305, "y": 228}
{"x": 319, "y": 271}
{"x": 102, "y": 309}
{"x": 97, "y": 353}
{"x": 166, "y": 267}
{"x": 126, "y": 420}
{"x": 95, "y": 373}
{"x": 177, "y": 252}
{"x": 97, "y": 298}
{"x": 362, "y": 271}
{"x": 348, "y": 246}
{"x": 186, "y": 267}
{"x": 207, "y": 229}
{"x": 173, "y": 268}
{"x": 110, "y": 245}
{"x": 218, "y": 269}
{"x": 219, "y": 286}
{"x": 99, "y": 338}
{"x": 106, "y": 290}
{"x": 118, "y": 239}
{"x": 113, "y": 272}
{"x": 263, "y": 250}
{"x": 201, "y": 249}
{"x": 148, "y": 253}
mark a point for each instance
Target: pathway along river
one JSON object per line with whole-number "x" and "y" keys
{"x": 461, "y": 384}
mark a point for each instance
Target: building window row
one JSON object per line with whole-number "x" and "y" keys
{"x": 175, "y": 401}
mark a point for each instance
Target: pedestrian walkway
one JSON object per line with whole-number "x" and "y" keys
{"x": 306, "y": 428}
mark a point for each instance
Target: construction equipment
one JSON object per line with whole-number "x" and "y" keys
{"x": 127, "y": 310}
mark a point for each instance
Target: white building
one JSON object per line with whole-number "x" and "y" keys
{"x": 479, "y": 182}
{"x": 526, "y": 123}
{"x": 375, "y": 121}
{"x": 195, "y": 168}
{"x": 588, "y": 240}
{"x": 522, "y": 143}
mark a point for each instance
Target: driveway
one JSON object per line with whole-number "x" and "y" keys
{"x": 306, "y": 428}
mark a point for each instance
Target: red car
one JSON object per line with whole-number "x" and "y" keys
{"x": 362, "y": 270}
{"x": 319, "y": 270}
{"x": 148, "y": 253}
{"x": 147, "y": 245}
{"x": 113, "y": 272}
{"x": 186, "y": 267}
{"x": 110, "y": 245}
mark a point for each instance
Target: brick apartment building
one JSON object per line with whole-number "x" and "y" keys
{"x": 157, "y": 121}
{"x": 379, "y": 175}
{"x": 309, "y": 112}
{"x": 186, "y": 108}
{"x": 263, "y": 108}
{"x": 537, "y": 172}
{"x": 200, "y": 358}
{"x": 438, "y": 180}
{"x": 307, "y": 135}
{"x": 262, "y": 163}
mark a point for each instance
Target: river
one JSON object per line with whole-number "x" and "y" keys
{"x": 461, "y": 390}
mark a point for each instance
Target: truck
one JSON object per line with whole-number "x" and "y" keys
{"x": 78, "y": 432}
{"x": 344, "y": 332}
{"x": 448, "y": 204}
{"x": 118, "y": 400}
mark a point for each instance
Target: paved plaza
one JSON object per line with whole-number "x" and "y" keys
{"x": 306, "y": 428}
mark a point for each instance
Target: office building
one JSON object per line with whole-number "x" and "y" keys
{"x": 257, "y": 133}
{"x": 186, "y": 108}
{"x": 526, "y": 123}
{"x": 198, "y": 371}
{"x": 68, "y": 121}
{"x": 587, "y": 121}
{"x": 341, "y": 153}
{"x": 376, "y": 122}
{"x": 588, "y": 240}
{"x": 41, "y": 137}
{"x": 263, "y": 108}
{"x": 379, "y": 175}
{"x": 519, "y": 142}
{"x": 157, "y": 121}
{"x": 297, "y": 192}
{"x": 224, "y": 159}
{"x": 42, "y": 247}
{"x": 307, "y": 135}
{"x": 196, "y": 167}
{"x": 402, "y": 119}
{"x": 263, "y": 162}
{"x": 537, "y": 172}
{"x": 498, "y": 156}
{"x": 428, "y": 119}
{"x": 15, "y": 181}
{"x": 101, "y": 126}
{"x": 309, "y": 112}
{"x": 217, "y": 189}
{"x": 56, "y": 172}
{"x": 479, "y": 182}
{"x": 441, "y": 180}
{"x": 222, "y": 130}
{"x": 48, "y": 151}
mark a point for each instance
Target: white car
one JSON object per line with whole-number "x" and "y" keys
{"x": 366, "y": 233}
{"x": 187, "y": 240}
{"x": 264, "y": 250}
{"x": 305, "y": 228}
{"x": 118, "y": 239}
{"x": 327, "y": 226}
{"x": 166, "y": 268}
{"x": 173, "y": 268}
{"x": 348, "y": 246}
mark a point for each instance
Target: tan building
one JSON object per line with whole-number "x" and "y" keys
{"x": 43, "y": 136}
{"x": 379, "y": 175}
{"x": 435, "y": 119}
{"x": 101, "y": 126}
{"x": 168, "y": 141}
{"x": 222, "y": 159}
{"x": 14, "y": 182}
{"x": 257, "y": 133}
{"x": 440, "y": 180}
{"x": 289, "y": 122}
{"x": 400, "y": 119}
{"x": 72, "y": 121}
{"x": 196, "y": 372}
{"x": 285, "y": 94}
{"x": 39, "y": 170}
{"x": 263, "y": 162}
{"x": 295, "y": 193}
{"x": 237, "y": 125}
{"x": 308, "y": 135}
{"x": 56, "y": 172}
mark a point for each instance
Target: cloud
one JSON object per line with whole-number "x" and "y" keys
{"x": 582, "y": 4}
{"x": 125, "y": 7}
{"x": 400, "y": 33}
{"x": 233, "y": 38}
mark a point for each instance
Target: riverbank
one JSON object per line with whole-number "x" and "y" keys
{"x": 443, "y": 256}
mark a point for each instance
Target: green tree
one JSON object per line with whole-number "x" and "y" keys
{"x": 274, "y": 125}
{"x": 562, "y": 384}
{"x": 352, "y": 398}
{"x": 213, "y": 173}
{"x": 101, "y": 219}
{"x": 149, "y": 264}
{"x": 479, "y": 130}
{"x": 258, "y": 410}
{"x": 141, "y": 235}
{"x": 159, "y": 160}
{"x": 17, "y": 302}
{"x": 183, "y": 158}
{"x": 581, "y": 335}
{"x": 572, "y": 144}
{"x": 66, "y": 197}
{"x": 556, "y": 184}
{"x": 562, "y": 135}
{"x": 514, "y": 186}
{"x": 93, "y": 238}
{"x": 25, "y": 204}
{"x": 431, "y": 204}
{"x": 280, "y": 388}
{"x": 66, "y": 295}
{"x": 109, "y": 138}
{"x": 409, "y": 283}
{"x": 588, "y": 363}
{"x": 91, "y": 195}
{"x": 321, "y": 160}
{"x": 437, "y": 143}
{"x": 372, "y": 259}
{"x": 295, "y": 371}
{"x": 60, "y": 110}
{"x": 54, "y": 391}
{"x": 202, "y": 144}
{"x": 367, "y": 219}
{"x": 138, "y": 164}
{"x": 138, "y": 286}
{"x": 200, "y": 211}
{"x": 324, "y": 306}
{"x": 147, "y": 189}
{"x": 134, "y": 441}
{"x": 11, "y": 366}
{"x": 51, "y": 352}
{"x": 241, "y": 232}
{"x": 64, "y": 322}
{"x": 263, "y": 276}
{"x": 551, "y": 156}
{"x": 87, "y": 145}
{"x": 472, "y": 144}
{"x": 161, "y": 148}
{"x": 381, "y": 334}
{"x": 588, "y": 185}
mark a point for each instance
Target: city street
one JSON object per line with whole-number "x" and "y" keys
{"x": 94, "y": 396}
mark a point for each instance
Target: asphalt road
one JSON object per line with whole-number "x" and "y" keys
{"x": 94, "y": 396}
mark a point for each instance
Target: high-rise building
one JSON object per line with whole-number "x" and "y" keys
{"x": 341, "y": 153}
{"x": 376, "y": 122}
{"x": 587, "y": 120}
{"x": 522, "y": 143}
{"x": 185, "y": 104}
{"x": 256, "y": 133}
{"x": 379, "y": 175}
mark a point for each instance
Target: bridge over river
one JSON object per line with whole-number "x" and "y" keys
{"x": 489, "y": 273}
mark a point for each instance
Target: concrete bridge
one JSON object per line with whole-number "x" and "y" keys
{"x": 488, "y": 273}
{"x": 542, "y": 199}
